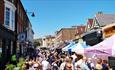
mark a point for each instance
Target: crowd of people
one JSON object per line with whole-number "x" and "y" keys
{"x": 53, "y": 60}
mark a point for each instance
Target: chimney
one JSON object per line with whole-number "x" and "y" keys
{"x": 100, "y": 12}
{"x": 74, "y": 26}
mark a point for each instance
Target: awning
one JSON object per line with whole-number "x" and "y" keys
{"x": 68, "y": 46}
{"x": 106, "y": 47}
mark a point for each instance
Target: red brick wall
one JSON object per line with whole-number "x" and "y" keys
{"x": 80, "y": 30}
{"x": 2, "y": 11}
{"x": 22, "y": 18}
{"x": 20, "y": 24}
{"x": 66, "y": 34}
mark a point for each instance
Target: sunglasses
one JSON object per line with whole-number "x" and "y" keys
{"x": 35, "y": 67}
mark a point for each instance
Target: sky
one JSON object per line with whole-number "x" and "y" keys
{"x": 52, "y": 15}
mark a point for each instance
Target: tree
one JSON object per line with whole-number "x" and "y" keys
{"x": 36, "y": 43}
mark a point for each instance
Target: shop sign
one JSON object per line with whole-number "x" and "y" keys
{"x": 22, "y": 37}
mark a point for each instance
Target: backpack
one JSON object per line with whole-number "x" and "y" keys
{"x": 89, "y": 66}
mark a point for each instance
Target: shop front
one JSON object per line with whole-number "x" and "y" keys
{"x": 7, "y": 45}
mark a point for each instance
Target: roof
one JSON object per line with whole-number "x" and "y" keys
{"x": 90, "y": 22}
{"x": 65, "y": 29}
{"x": 49, "y": 36}
{"x": 105, "y": 19}
{"x": 109, "y": 26}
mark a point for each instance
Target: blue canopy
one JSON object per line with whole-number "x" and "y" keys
{"x": 78, "y": 48}
{"x": 68, "y": 46}
{"x": 82, "y": 44}
{"x": 73, "y": 46}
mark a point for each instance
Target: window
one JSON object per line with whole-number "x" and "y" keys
{"x": 7, "y": 17}
{"x": 77, "y": 31}
{"x": 17, "y": 27}
{"x": 18, "y": 8}
{"x": 81, "y": 29}
{"x": 12, "y": 1}
{"x": 11, "y": 47}
{"x": 0, "y": 48}
{"x": 8, "y": 0}
{"x": 13, "y": 20}
{"x": 20, "y": 12}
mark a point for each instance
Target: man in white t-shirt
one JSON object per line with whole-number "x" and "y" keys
{"x": 45, "y": 65}
{"x": 62, "y": 66}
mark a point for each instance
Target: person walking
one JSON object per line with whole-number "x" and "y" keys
{"x": 81, "y": 63}
{"x": 99, "y": 64}
{"x": 45, "y": 65}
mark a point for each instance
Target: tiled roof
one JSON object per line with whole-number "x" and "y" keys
{"x": 105, "y": 19}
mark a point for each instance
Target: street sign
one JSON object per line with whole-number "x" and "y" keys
{"x": 22, "y": 37}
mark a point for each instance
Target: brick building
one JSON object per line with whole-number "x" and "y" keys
{"x": 94, "y": 27}
{"x": 79, "y": 31}
{"x": 7, "y": 31}
{"x": 13, "y": 22}
{"x": 48, "y": 41}
{"x": 23, "y": 26}
{"x": 66, "y": 34}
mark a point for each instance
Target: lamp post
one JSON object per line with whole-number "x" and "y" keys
{"x": 32, "y": 13}
{"x": 22, "y": 37}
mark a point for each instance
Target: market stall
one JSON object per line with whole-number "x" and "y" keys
{"x": 103, "y": 49}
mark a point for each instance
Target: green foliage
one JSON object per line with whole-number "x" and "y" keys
{"x": 13, "y": 58}
{"x": 20, "y": 63}
{"x": 36, "y": 44}
{"x": 10, "y": 67}
{"x": 21, "y": 59}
